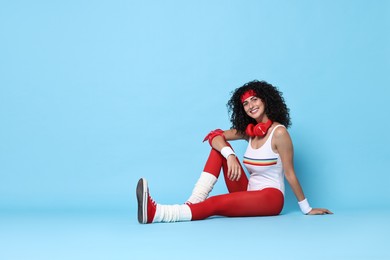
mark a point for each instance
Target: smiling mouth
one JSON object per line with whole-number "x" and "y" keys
{"x": 253, "y": 110}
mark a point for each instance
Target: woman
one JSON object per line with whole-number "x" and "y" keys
{"x": 260, "y": 116}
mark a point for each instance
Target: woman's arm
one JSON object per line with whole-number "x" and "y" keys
{"x": 219, "y": 142}
{"x": 282, "y": 144}
{"x": 229, "y": 135}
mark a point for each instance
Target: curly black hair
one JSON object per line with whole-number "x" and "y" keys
{"x": 275, "y": 107}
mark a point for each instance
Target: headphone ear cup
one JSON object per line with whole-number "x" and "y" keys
{"x": 260, "y": 129}
{"x": 249, "y": 130}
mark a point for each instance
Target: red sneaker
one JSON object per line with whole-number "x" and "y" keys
{"x": 146, "y": 205}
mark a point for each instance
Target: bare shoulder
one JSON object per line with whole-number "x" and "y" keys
{"x": 281, "y": 136}
{"x": 281, "y": 132}
{"x": 282, "y": 140}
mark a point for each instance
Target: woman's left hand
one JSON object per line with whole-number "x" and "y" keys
{"x": 234, "y": 168}
{"x": 319, "y": 212}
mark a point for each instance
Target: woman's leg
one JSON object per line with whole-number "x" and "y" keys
{"x": 210, "y": 175}
{"x": 266, "y": 202}
{"x": 149, "y": 211}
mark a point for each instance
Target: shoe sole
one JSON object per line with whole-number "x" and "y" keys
{"x": 142, "y": 198}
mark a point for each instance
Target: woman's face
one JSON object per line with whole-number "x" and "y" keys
{"x": 254, "y": 108}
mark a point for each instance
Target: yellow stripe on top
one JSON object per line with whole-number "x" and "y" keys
{"x": 260, "y": 162}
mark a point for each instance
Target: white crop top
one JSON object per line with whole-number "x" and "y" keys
{"x": 264, "y": 166}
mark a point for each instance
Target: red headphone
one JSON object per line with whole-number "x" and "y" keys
{"x": 260, "y": 129}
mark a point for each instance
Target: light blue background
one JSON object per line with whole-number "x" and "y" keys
{"x": 94, "y": 95}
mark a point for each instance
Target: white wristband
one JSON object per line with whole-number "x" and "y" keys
{"x": 305, "y": 207}
{"x": 226, "y": 151}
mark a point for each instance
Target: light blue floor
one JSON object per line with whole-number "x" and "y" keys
{"x": 116, "y": 234}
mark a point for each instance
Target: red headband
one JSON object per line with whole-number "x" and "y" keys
{"x": 247, "y": 94}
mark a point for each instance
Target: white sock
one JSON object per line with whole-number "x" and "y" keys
{"x": 172, "y": 213}
{"x": 202, "y": 188}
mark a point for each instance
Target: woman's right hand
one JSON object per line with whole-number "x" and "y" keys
{"x": 234, "y": 168}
